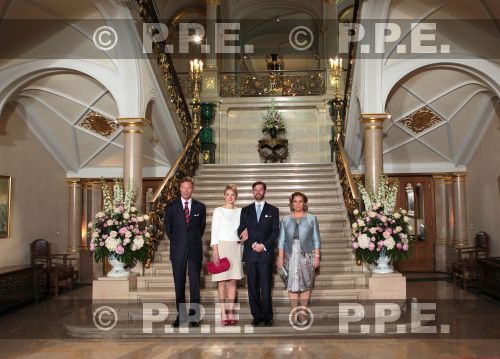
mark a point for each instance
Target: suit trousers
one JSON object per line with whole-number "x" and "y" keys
{"x": 259, "y": 279}
{"x": 193, "y": 267}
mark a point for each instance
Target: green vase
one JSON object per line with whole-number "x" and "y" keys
{"x": 273, "y": 132}
{"x": 207, "y": 113}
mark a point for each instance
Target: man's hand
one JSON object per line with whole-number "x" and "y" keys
{"x": 259, "y": 247}
{"x": 244, "y": 235}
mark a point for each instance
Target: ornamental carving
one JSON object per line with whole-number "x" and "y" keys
{"x": 421, "y": 119}
{"x": 99, "y": 124}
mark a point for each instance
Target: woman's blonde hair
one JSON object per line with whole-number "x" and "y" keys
{"x": 304, "y": 197}
{"x": 233, "y": 188}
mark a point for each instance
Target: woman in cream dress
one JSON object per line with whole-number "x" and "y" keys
{"x": 226, "y": 243}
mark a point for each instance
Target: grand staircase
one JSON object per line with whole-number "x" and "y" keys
{"x": 338, "y": 277}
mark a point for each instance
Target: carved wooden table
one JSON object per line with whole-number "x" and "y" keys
{"x": 274, "y": 149}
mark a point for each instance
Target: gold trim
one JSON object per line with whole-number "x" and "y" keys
{"x": 133, "y": 131}
{"x": 73, "y": 249}
{"x": 375, "y": 116}
{"x": 73, "y": 181}
{"x": 373, "y": 127}
{"x": 133, "y": 121}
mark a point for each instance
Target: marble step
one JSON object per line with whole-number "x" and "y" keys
{"x": 327, "y": 268}
{"x": 307, "y": 187}
{"x": 352, "y": 292}
{"x": 321, "y": 281}
{"x": 242, "y": 183}
{"x": 267, "y": 176}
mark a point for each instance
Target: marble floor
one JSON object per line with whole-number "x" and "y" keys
{"x": 36, "y": 331}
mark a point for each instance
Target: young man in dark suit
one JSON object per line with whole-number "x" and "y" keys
{"x": 259, "y": 228}
{"x": 185, "y": 221}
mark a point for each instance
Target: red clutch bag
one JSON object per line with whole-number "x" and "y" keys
{"x": 222, "y": 267}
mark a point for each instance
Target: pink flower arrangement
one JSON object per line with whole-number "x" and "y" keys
{"x": 375, "y": 231}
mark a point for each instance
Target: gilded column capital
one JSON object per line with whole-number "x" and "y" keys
{"x": 73, "y": 181}
{"x": 133, "y": 124}
{"x": 213, "y": 2}
{"x": 458, "y": 177}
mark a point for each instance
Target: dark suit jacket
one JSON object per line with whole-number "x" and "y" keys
{"x": 185, "y": 239}
{"x": 265, "y": 231}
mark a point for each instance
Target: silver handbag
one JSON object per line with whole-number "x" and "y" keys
{"x": 283, "y": 273}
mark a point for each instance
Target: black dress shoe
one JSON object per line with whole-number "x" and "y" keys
{"x": 255, "y": 323}
{"x": 176, "y": 323}
{"x": 268, "y": 323}
{"x": 194, "y": 324}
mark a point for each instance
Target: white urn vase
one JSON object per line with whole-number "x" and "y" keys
{"x": 118, "y": 270}
{"x": 383, "y": 264}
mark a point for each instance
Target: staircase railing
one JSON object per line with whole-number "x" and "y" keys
{"x": 188, "y": 160}
{"x": 339, "y": 114}
{"x": 349, "y": 187}
{"x": 174, "y": 88}
{"x": 185, "y": 165}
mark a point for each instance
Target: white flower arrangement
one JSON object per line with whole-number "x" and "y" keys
{"x": 113, "y": 228}
{"x": 380, "y": 229}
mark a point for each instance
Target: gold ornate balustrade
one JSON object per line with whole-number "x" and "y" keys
{"x": 272, "y": 83}
{"x": 339, "y": 114}
{"x": 349, "y": 187}
{"x": 188, "y": 160}
{"x": 173, "y": 85}
{"x": 185, "y": 165}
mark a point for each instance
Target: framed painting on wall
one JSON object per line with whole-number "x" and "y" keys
{"x": 5, "y": 198}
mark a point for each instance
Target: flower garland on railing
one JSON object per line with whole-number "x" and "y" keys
{"x": 379, "y": 229}
{"x": 119, "y": 230}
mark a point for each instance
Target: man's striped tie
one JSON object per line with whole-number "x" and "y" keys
{"x": 186, "y": 212}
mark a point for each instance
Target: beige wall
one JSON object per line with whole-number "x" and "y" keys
{"x": 39, "y": 206}
{"x": 237, "y": 129}
{"x": 483, "y": 192}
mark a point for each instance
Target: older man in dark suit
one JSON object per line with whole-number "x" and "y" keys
{"x": 185, "y": 221}
{"x": 259, "y": 228}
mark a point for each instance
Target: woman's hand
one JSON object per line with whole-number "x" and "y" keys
{"x": 316, "y": 262}
{"x": 280, "y": 262}
{"x": 215, "y": 256}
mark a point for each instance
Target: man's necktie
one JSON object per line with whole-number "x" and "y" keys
{"x": 186, "y": 212}
{"x": 259, "y": 211}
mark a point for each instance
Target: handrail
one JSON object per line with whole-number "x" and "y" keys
{"x": 349, "y": 188}
{"x": 148, "y": 14}
{"x": 186, "y": 164}
{"x": 172, "y": 169}
{"x": 339, "y": 117}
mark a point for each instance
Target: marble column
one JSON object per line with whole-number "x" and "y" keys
{"x": 373, "y": 124}
{"x": 459, "y": 211}
{"x": 441, "y": 220}
{"x": 132, "y": 154}
{"x": 74, "y": 215}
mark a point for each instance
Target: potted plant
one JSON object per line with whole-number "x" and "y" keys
{"x": 119, "y": 232}
{"x": 273, "y": 123}
{"x": 380, "y": 235}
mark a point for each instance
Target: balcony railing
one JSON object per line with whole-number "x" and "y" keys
{"x": 272, "y": 83}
